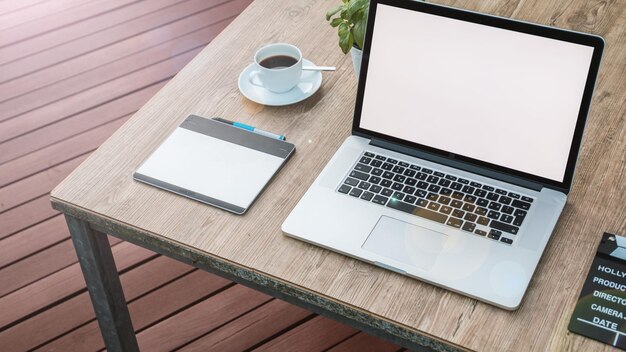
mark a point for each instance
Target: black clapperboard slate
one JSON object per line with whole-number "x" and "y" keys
{"x": 601, "y": 309}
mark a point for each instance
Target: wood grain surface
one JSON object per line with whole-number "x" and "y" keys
{"x": 102, "y": 187}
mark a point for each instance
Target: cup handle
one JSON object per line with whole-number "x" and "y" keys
{"x": 254, "y": 79}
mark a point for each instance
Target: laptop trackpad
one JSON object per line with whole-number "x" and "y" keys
{"x": 407, "y": 243}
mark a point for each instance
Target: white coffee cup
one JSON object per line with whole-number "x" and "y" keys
{"x": 274, "y": 71}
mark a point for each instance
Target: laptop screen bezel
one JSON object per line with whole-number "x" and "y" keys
{"x": 534, "y": 29}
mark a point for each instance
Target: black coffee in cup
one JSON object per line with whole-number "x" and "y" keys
{"x": 278, "y": 61}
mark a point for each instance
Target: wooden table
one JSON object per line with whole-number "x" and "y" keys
{"x": 101, "y": 197}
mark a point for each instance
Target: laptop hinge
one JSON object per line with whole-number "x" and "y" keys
{"x": 460, "y": 165}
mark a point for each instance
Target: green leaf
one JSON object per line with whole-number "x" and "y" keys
{"x": 355, "y": 6}
{"x": 358, "y": 31}
{"x": 335, "y": 22}
{"x": 333, "y": 11}
{"x": 345, "y": 37}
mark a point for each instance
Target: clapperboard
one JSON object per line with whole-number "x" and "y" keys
{"x": 601, "y": 309}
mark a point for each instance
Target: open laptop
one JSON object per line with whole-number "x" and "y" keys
{"x": 465, "y": 137}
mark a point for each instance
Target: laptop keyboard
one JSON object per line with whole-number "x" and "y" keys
{"x": 471, "y": 206}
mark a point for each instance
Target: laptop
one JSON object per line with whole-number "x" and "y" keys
{"x": 464, "y": 142}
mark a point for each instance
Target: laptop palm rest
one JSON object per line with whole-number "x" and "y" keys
{"x": 406, "y": 243}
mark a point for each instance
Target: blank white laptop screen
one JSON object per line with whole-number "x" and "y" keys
{"x": 499, "y": 96}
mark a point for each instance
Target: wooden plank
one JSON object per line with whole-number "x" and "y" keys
{"x": 63, "y": 129}
{"x": 125, "y": 50}
{"x": 77, "y": 311}
{"x": 248, "y": 330}
{"x": 87, "y": 99}
{"x": 215, "y": 18}
{"x": 316, "y": 334}
{"x": 363, "y": 342}
{"x": 40, "y": 265}
{"x": 75, "y": 48}
{"x": 58, "y": 153}
{"x": 37, "y": 11}
{"x": 33, "y": 239}
{"x": 25, "y": 215}
{"x": 36, "y": 185}
{"x": 60, "y": 285}
{"x": 199, "y": 319}
{"x": 55, "y": 21}
{"x": 146, "y": 310}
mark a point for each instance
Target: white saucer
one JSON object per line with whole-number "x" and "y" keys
{"x": 309, "y": 84}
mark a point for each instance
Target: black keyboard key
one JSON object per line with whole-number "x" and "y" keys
{"x": 387, "y": 166}
{"x": 454, "y": 222}
{"x": 392, "y": 161}
{"x": 504, "y": 227}
{"x": 456, "y": 186}
{"x": 494, "y": 234}
{"x": 364, "y": 185}
{"x": 444, "y": 200}
{"x": 422, "y": 212}
{"x": 371, "y": 155}
{"x": 363, "y": 168}
{"x": 468, "y": 207}
{"x": 421, "y": 193}
{"x": 388, "y": 175}
{"x": 427, "y": 171}
{"x": 471, "y": 217}
{"x": 386, "y": 183}
{"x": 377, "y": 172}
{"x": 501, "y": 191}
{"x": 456, "y": 204}
{"x": 506, "y": 218}
{"x": 360, "y": 175}
{"x": 415, "y": 167}
{"x": 434, "y": 188}
{"x": 422, "y": 184}
{"x": 458, "y": 213}
{"x": 376, "y": 189}
{"x": 421, "y": 176}
{"x": 408, "y": 189}
{"x": 432, "y": 197}
{"x": 376, "y": 163}
{"x": 446, "y": 191}
{"x": 482, "y": 202}
{"x": 445, "y": 209}
{"x": 351, "y": 181}
{"x": 409, "y": 173}
{"x": 399, "y": 178}
{"x": 367, "y": 196}
{"x": 468, "y": 226}
{"x": 365, "y": 160}
{"x": 480, "y": 232}
{"x": 403, "y": 164}
{"x": 495, "y": 206}
{"x": 482, "y": 220}
{"x": 493, "y": 214}
{"x": 444, "y": 183}
{"x": 488, "y": 188}
{"x": 397, "y": 196}
{"x": 507, "y": 209}
{"x": 432, "y": 179}
{"x": 386, "y": 192}
{"x": 480, "y": 193}
{"x": 492, "y": 196}
{"x": 527, "y": 199}
{"x": 475, "y": 184}
{"x": 344, "y": 189}
{"x": 506, "y": 240}
{"x": 463, "y": 181}
{"x": 380, "y": 200}
{"x": 439, "y": 174}
{"x": 411, "y": 181}
{"x": 519, "y": 204}
{"x": 374, "y": 180}
{"x": 469, "y": 189}
{"x": 397, "y": 186}
{"x": 410, "y": 199}
{"x": 398, "y": 169}
{"x": 433, "y": 206}
{"x": 520, "y": 212}
{"x": 480, "y": 211}
{"x": 505, "y": 200}
{"x": 469, "y": 199}
{"x": 356, "y": 192}
{"x": 422, "y": 202}
{"x": 451, "y": 178}
{"x": 514, "y": 195}
{"x": 518, "y": 221}
{"x": 380, "y": 157}
{"x": 457, "y": 195}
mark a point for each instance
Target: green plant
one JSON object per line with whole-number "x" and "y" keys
{"x": 350, "y": 20}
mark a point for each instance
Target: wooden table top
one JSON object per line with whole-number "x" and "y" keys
{"x": 102, "y": 188}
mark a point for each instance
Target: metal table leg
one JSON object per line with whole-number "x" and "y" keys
{"x": 103, "y": 283}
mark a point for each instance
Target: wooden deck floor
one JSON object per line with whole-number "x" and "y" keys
{"x": 72, "y": 72}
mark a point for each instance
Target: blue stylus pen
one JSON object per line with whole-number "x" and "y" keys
{"x": 251, "y": 128}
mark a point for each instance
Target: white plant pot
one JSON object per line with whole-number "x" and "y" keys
{"x": 356, "y": 54}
